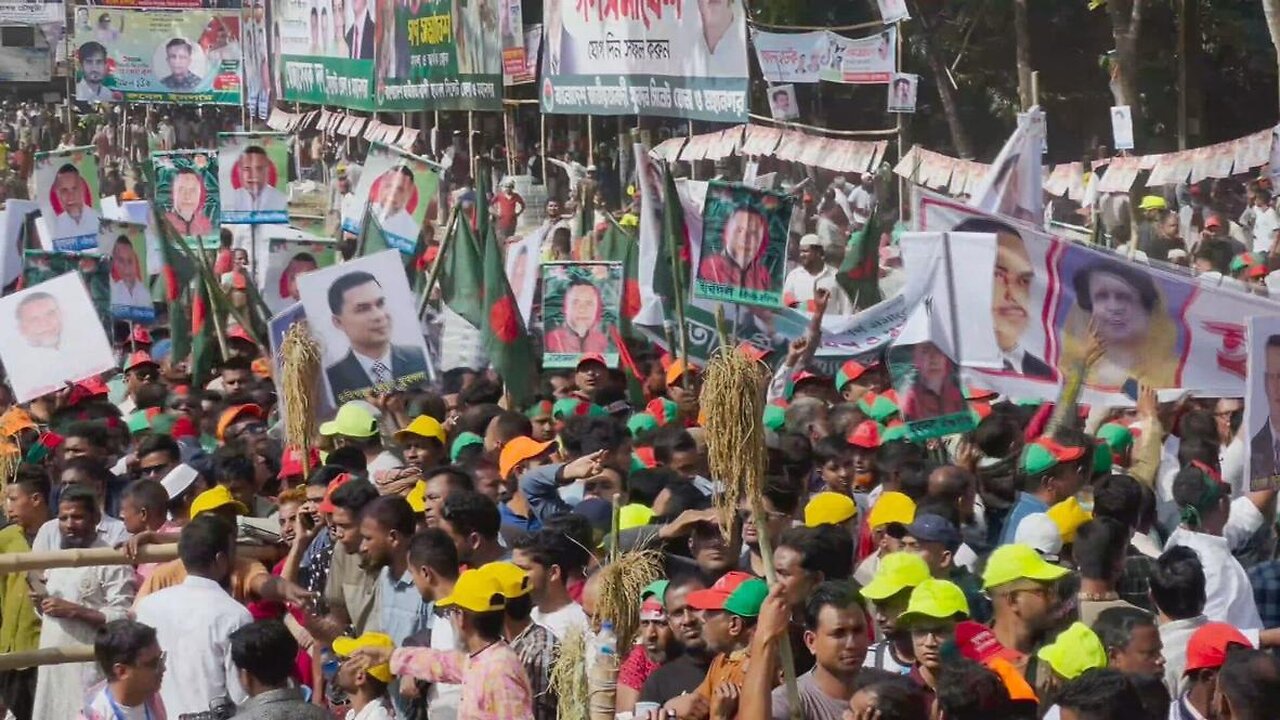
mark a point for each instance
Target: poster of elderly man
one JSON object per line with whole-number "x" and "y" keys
{"x": 744, "y": 245}
{"x": 398, "y": 189}
{"x": 253, "y": 172}
{"x": 50, "y": 336}
{"x": 187, "y": 193}
{"x": 1262, "y": 403}
{"x": 580, "y": 307}
{"x": 67, "y": 192}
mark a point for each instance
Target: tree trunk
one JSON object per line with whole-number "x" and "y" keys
{"x": 1271, "y": 9}
{"x": 1022, "y": 36}
{"x": 946, "y": 93}
{"x": 1126, "y": 25}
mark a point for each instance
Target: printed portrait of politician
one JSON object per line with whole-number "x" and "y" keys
{"x": 395, "y": 190}
{"x": 128, "y": 287}
{"x": 73, "y": 215}
{"x": 1011, "y": 309}
{"x": 1129, "y": 315}
{"x": 300, "y": 263}
{"x": 360, "y": 312}
{"x": 1264, "y": 447}
{"x": 256, "y": 193}
{"x": 720, "y": 44}
{"x": 93, "y": 70}
{"x": 177, "y": 55}
{"x": 739, "y": 261}
{"x": 934, "y": 382}
{"x": 582, "y": 308}
{"x": 48, "y": 355}
{"x": 560, "y": 55}
{"x": 903, "y": 94}
{"x": 781, "y": 104}
{"x": 186, "y": 204}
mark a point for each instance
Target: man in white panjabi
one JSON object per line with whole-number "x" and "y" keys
{"x": 393, "y": 205}
{"x": 74, "y": 602}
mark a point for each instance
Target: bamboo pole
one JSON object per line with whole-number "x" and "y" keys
{"x": 46, "y": 656}
{"x": 439, "y": 263}
{"x": 92, "y": 557}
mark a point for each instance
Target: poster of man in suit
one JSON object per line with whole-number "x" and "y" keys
{"x": 1262, "y": 405}
{"x": 362, "y": 314}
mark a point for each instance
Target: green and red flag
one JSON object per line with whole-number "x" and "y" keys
{"x": 510, "y": 349}
{"x": 619, "y": 245}
{"x": 859, "y": 274}
{"x": 462, "y": 276}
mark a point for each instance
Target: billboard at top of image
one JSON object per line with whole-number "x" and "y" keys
{"x": 15, "y": 12}
{"x": 744, "y": 245}
{"x": 253, "y": 172}
{"x": 160, "y": 55}
{"x": 399, "y": 191}
{"x": 439, "y": 54}
{"x": 67, "y": 192}
{"x": 672, "y": 58}
{"x": 324, "y": 51}
{"x": 187, "y": 193}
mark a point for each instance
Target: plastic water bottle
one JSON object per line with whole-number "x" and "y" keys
{"x": 602, "y": 674}
{"x": 606, "y": 641}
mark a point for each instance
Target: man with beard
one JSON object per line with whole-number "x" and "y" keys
{"x": 386, "y": 527}
{"x": 672, "y": 684}
{"x": 75, "y": 602}
{"x": 1023, "y": 595}
{"x": 655, "y": 642}
{"x": 93, "y": 70}
{"x": 835, "y": 633}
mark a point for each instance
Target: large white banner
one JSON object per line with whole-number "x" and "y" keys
{"x": 791, "y": 57}
{"x": 870, "y": 60}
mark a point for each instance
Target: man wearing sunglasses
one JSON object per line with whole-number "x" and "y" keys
{"x": 1021, "y": 586}
{"x": 139, "y": 371}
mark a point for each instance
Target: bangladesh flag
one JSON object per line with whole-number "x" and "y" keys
{"x": 371, "y": 239}
{"x": 204, "y": 345}
{"x": 859, "y": 274}
{"x": 619, "y": 245}
{"x": 673, "y": 251}
{"x": 508, "y": 344}
{"x": 178, "y": 271}
{"x": 461, "y": 278}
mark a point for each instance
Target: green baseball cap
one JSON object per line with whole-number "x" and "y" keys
{"x": 462, "y": 442}
{"x": 1118, "y": 437}
{"x": 641, "y": 423}
{"x": 735, "y": 592}
{"x": 1044, "y": 454}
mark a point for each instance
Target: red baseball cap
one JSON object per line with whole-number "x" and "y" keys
{"x": 591, "y": 357}
{"x": 141, "y": 335}
{"x": 139, "y": 358}
{"x": 326, "y": 505}
{"x": 976, "y": 642}
{"x": 1207, "y": 648}
{"x": 239, "y": 333}
{"x": 866, "y": 435}
{"x": 291, "y": 462}
{"x": 1213, "y": 222}
{"x": 713, "y": 598}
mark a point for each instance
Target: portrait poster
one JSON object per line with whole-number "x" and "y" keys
{"x": 1262, "y": 403}
{"x": 95, "y": 270}
{"x": 126, "y": 246}
{"x": 283, "y": 262}
{"x": 892, "y": 11}
{"x": 926, "y": 376}
{"x": 902, "y": 93}
{"x": 399, "y": 190}
{"x": 681, "y": 58}
{"x": 521, "y": 263}
{"x": 581, "y": 302}
{"x": 782, "y": 102}
{"x": 253, "y": 172}
{"x": 527, "y": 72}
{"x": 51, "y": 335}
{"x": 67, "y": 191}
{"x": 1160, "y": 327}
{"x": 439, "y": 55}
{"x": 363, "y": 315}
{"x": 19, "y": 218}
{"x": 744, "y": 245}
{"x": 870, "y": 60}
{"x": 188, "y": 55}
{"x": 322, "y": 52}
{"x": 187, "y": 194}
{"x": 790, "y": 57}
{"x": 1122, "y": 127}
{"x": 511, "y": 31}
{"x": 258, "y": 82}
{"x": 277, "y": 326}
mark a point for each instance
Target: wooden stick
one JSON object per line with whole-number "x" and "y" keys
{"x": 46, "y": 656}
{"x": 90, "y": 557}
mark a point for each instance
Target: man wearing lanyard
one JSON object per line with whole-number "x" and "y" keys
{"x": 131, "y": 660}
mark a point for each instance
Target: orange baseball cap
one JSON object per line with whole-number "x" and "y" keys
{"x": 238, "y": 412}
{"x": 677, "y": 370}
{"x": 326, "y": 505}
{"x": 517, "y": 451}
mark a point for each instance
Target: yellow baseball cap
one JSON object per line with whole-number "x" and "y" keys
{"x": 214, "y": 498}
{"x": 513, "y": 581}
{"x": 1016, "y": 562}
{"x": 935, "y": 600}
{"x": 422, "y": 426}
{"x": 1068, "y": 515}
{"x": 475, "y": 591}
{"x": 1075, "y": 650}
{"x": 891, "y": 507}
{"x": 895, "y": 573}
{"x": 417, "y": 497}
{"x": 347, "y": 646}
{"x": 829, "y": 508}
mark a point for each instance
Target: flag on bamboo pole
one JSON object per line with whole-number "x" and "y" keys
{"x": 461, "y": 278}
{"x": 178, "y": 271}
{"x": 673, "y": 251}
{"x": 859, "y": 274}
{"x": 205, "y": 350}
{"x": 506, "y": 340}
{"x": 619, "y": 245}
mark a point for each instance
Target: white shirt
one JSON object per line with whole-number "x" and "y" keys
{"x": 65, "y": 226}
{"x": 267, "y": 199}
{"x": 1264, "y": 223}
{"x": 860, "y": 202}
{"x": 137, "y": 296}
{"x": 86, "y": 93}
{"x": 372, "y": 711}
{"x": 400, "y": 224}
{"x": 562, "y": 620}
{"x": 800, "y": 284}
{"x": 1229, "y": 597}
{"x": 110, "y": 531}
{"x": 193, "y": 622}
